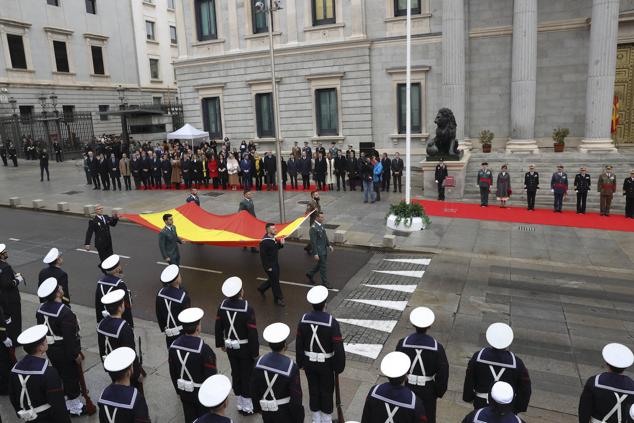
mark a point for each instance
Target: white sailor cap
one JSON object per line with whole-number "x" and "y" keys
{"x": 232, "y": 286}
{"x": 214, "y": 391}
{"x": 499, "y": 335}
{"x": 47, "y": 288}
{"x": 618, "y": 355}
{"x": 395, "y": 364}
{"x": 502, "y": 393}
{"x": 119, "y": 359}
{"x": 3, "y": 248}
{"x": 32, "y": 335}
{"x": 113, "y": 297}
{"x": 632, "y": 407}
{"x": 169, "y": 274}
{"x": 51, "y": 256}
{"x": 111, "y": 262}
{"x": 190, "y": 315}
{"x": 276, "y": 333}
{"x": 422, "y": 317}
{"x": 317, "y": 294}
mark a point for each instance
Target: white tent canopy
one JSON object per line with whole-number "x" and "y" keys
{"x": 187, "y": 132}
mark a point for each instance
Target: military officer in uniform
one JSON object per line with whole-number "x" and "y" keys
{"x": 170, "y": 301}
{"x": 169, "y": 240}
{"x": 191, "y": 361}
{"x": 36, "y": 388}
{"x": 500, "y": 410}
{"x": 485, "y": 180}
{"x": 606, "y": 187}
{"x": 275, "y": 384}
{"x": 214, "y": 396}
{"x": 269, "y": 248}
{"x": 54, "y": 260}
{"x": 429, "y": 373}
{"x": 110, "y": 281}
{"x": 559, "y": 187}
{"x": 319, "y": 351}
{"x": 64, "y": 344}
{"x": 10, "y": 295}
{"x": 320, "y": 245}
{"x": 531, "y": 185}
{"x": 582, "y": 186}
{"x": 121, "y": 402}
{"x": 100, "y": 226}
{"x": 493, "y": 364}
{"x": 606, "y": 397}
{"x": 7, "y": 353}
{"x": 237, "y": 335}
{"x": 628, "y": 192}
{"x": 391, "y": 401}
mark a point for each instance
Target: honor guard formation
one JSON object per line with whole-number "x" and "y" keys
{"x": 47, "y": 384}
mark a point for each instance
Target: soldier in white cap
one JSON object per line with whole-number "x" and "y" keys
{"x": 499, "y": 411}
{"x": 121, "y": 402}
{"x": 54, "y": 260}
{"x": 170, "y": 301}
{"x": 631, "y": 420}
{"x": 237, "y": 335}
{"x": 606, "y": 397}
{"x": 36, "y": 388}
{"x": 391, "y": 402}
{"x": 64, "y": 343}
{"x": 319, "y": 351}
{"x": 10, "y": 295}
{"x": 110, "y": 281}
{"x": 275, "y": 384}
{"x": 213, "y": 395}
{"x": 493, "y": 364}
{"x": 191, "y": 361}
{"x": 429, "y": 373}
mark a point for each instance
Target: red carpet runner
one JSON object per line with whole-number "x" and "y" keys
{"x": 520, "y": 215}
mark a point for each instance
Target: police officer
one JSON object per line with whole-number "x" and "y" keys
{"x": 64, "y": 344}
{"x": 319, "y": 351}
{"x": 493, "y": 364}
{"x": 214, "y": 396}
{"x": 269, "y": 248}
{"x": 485, "y": 180}
{"x": 170, "y": 301}
{"x": 628, "y": 192}
{"x": 275, "y": 383}
{"x": 607, "y": 396}
{"x": 54, "y": 260}
{"x": 237, "y": 335}
{"x": 391, "y": 401}
{"x": 36, "y": 388}
{"x": 100, "y": 226}
{"x": 110, "y": 281}
{"x": 7, "y": 355}
{"x": 582, "y": 186}
{"x": 500, "y": 410}
{"x": 10, "y": 295}
{"x": 121, "y": 402}
{"x": 429, "y": 373}
{"x": 191, "y": 361}
{"x": 559, "y": 187}
{"x": 531, "y": 185}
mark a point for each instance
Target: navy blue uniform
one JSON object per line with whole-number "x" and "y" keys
{"x": 531, "y": 185}
{"x": 122, "y": 404}
{"x": 213, "y": 418}
{"x": 399, "y": 401}
{"x": 110, "y": 283}
{"x": 100, "y": 226}
{"x": 606, "y": 397}
{"x": 113, "y": 333}
{"x": 170, "y": 302}
{"x": 489, "y": 415}
{"x": 5, "y": 356}
{"x": 559, "y": 185}
{"x": 52, "y": 271}
{"x": 582, "y": 186}
{"x": 10, "y": 300}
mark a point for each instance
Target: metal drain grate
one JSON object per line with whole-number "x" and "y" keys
{"x": 213, "y": 194}
{"x": 526, "y": 228}
{"x": 72, "y": 192}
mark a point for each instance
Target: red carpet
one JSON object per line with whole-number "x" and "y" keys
{"x": 521, "y": 215}
{"x": 239, "y": 188}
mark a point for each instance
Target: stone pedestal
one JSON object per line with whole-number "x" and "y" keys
{"x": 522, "y": 147}
{"x": 457, "y": 169}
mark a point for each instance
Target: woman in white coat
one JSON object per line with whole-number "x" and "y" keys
{"x": 330, "y": 172}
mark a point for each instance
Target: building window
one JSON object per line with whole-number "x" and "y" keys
{"x": 415, "y": 107}
{"x": 212, "y": 118}
{"x": 91, "y": 7}
{"x": 400, "y": 7}
{"x": 26, "y": 112}
{"x": 52, "y": 2}
{"x": 206, "y": 20}
{"x": 97, "y": 60}
{"x": 171, "y": 4}
{"x": 103, "y": 108}
{"x": 68, "y": 112}
{"x": 149, "y": 30}
{"x": 173, "y": 38}
{"x": 323, "y": 12}
{"x": 16, "y": 51}
{"x": 259, "y": 19}
{"x": 264, "y": 115}
{"x": 326, "y": 112}
{"x": 154, "y": 69}
{"x": 61, "y": 56}
{"x": 157, "y": 101}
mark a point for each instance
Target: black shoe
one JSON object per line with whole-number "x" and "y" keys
{"x": 310, "y": 279}
{"x": 254, "y": 250}
{"x": 280, "y": 303}
{"x": 262, "y": 293}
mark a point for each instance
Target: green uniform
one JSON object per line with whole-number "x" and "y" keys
{"x": 320, "y": 245}
{"x": 168, "y": 243}
{"x": 246, "y": 204}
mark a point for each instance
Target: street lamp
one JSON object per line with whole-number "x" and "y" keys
{"x": 121, "y": 92}
{"x": 53, "y": 98}
{"x": 14, "y": 104}
{"x": 268, "y": 7}
{"x": 42, "y": 98}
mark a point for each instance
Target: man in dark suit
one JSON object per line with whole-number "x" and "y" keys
{"x": 58, "y": 151}
{"x": 304, "y": 167}
{"x": 166, "y": 170}
{"x": 44, "y": 165}
{"x": 385, "y": 180}
{"x": 115, "y": 173}
{"x": 439, "y": 176}
{"x": 93, "y": 164}
{"x": 169, "y": 240}
{"x": 156, "y": 171}
{"x": 320, "y": 171}
{"x": 269, "y": 247}
{"x": 100, "y": 226}
{"x": 397, "y": 171}
{"x": 103, "y": 172}
{"x": 146, "y": 171}
{"x": 628, "y": 192}
{"x": 270, "y": 166}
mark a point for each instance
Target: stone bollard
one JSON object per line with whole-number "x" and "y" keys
{"x": 62, "y": 206}
{"x": 15, "y": 201}
{"x": 389, "y": 241}
{"x": 340, "y": 236}
{"x": 88, "y": 209}
{"x": 38, "y": 204}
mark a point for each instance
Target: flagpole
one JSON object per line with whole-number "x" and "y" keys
{"x": 408, "y": 104}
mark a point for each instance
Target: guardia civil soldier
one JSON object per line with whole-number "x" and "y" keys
{"x": 500, "y": 410}
{"x": 237, "y": 335}
{"x": 485, "y": 180}
{"x": 170, "y": 301}
{"x": 319, "y": 351}
{"x": 320, "y": 246}
{"x": 559, "y": 188}
{"x": 493, "y": 364}
{"x": 214, "y": 396}
{"x": 168, "y": 241}
{"x": 191, "y": 361}
{"x": 7, "y": 355}
{"x": 36, "y": 391}
{"x": 391, "y": 401}
{"x": 121, "y": 402}
{"x": 582, "y": 186}
{"x": 111, "y": 280}
{"x": 10, "y": 295}
{"x": 429, "y": 373}
{"x": 54, "y": 260}
{"x": 628, "y": 192}
{"x": 606, "y": 186}
{"x": 64, "y": 343}
{"x": 100, "y": 226}
{"x": 531, "y": 185}
{"x": 606, "y": 397}
{"x": 275, "y": 384}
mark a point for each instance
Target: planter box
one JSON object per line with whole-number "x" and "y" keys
{"x": 559, "y": 148}
{"x": 416, "y": 224}
{"x": 486, "y": 148}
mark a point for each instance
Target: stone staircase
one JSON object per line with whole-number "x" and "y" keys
{"x": 546, "y": 164}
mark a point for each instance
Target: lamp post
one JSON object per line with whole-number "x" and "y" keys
{"x": 268, "y": 8}
{"x": 124, "y": 119}
{"x": 408, "y": 104}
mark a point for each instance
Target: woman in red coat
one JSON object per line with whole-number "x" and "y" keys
{"x": 212, "y": 167}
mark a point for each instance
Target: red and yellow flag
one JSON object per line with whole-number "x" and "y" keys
{"x": 615, "y": 113}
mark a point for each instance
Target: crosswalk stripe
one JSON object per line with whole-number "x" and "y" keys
{"x": 95, "y": 252}
{"x": 411, "y": 273}
{"x": 400, "y": 288}
{"x": 200, "y": 269}
{"x": 381, "y": 325}
{"x": 366, "y": 350}
{"x": 393, "y": 305}
{"x": 424, "y": 262}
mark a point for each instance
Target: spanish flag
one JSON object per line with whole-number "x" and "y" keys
{"x": 615, "y": 113}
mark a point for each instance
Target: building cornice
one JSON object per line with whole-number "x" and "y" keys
{"x": 262, "y": 81}
{"x": 11, "y": 22}
{"x": 421, "y": 68}
{"x": 333, "y": 75}
{"x": 96, "y": 36}
{"x": 56, "y": 30}
{"x": 549, "y": 26}
{"x": 208, "y": 86}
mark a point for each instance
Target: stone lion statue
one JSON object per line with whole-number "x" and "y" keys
{"x": 444, "y": 144}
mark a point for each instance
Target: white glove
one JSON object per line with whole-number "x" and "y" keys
{"x": 19, "y": 278}
{"x": 552, "y": 190}
{"x": 7, "y": 342}
{"x": 436, "y": 181}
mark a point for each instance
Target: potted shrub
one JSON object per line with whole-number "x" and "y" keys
{"x": 559, "y": 137}
{"x": 486, "y": 137}
{"x": 407, "y": 217}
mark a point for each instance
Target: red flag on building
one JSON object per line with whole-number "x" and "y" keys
{"x": 615, "y": 113}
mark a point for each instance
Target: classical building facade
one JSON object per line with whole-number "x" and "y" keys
{"x": 518, "y": 68}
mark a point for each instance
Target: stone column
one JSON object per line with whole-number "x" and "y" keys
{"x": 524, "y": 76}
{"x": 601, "y": 75}
{"x": 453, "y": 62}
